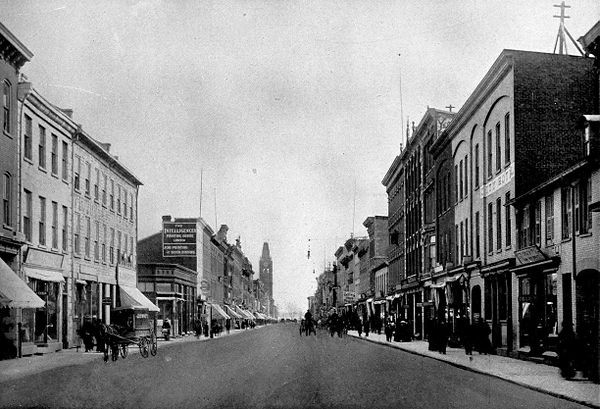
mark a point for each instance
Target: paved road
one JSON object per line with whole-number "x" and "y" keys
{"x": 271, "y": 367}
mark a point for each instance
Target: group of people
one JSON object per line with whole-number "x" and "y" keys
{"x": 472, "y": 336}
{"x": 91, "y": 334}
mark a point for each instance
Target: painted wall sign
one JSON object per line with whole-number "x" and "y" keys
{"x": 179, "y": 239}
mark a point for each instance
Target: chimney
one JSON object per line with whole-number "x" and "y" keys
{"x": 68, "y": 112}
{"x": 166, "y": 218}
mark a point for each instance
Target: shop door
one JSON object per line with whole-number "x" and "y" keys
{"x": 65, "y": 321}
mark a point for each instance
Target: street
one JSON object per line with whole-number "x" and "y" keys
{"x": 271, "y": 367}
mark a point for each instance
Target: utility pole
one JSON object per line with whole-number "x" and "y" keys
{"x": 562, "y": 30}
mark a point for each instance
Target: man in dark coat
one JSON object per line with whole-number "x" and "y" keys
{"x": 567, "y": 345}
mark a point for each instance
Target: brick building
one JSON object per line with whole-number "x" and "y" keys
{"x": 104, "y": 228}
{"x": 16, "y": 298}
{"x": 514, "y": 131}
{"x": 45, "y": 203}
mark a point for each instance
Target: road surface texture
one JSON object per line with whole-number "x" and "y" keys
{"x": 271, "y": 367}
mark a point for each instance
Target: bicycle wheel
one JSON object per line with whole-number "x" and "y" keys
{"x": 144, "y": 350}
{"x": 153, "y": 344}
{"x": 124, "y": 350}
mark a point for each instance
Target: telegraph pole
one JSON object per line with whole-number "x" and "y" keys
{"x": 562, "y": 30}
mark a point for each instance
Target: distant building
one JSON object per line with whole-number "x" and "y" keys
{"x": 265, "y": 268}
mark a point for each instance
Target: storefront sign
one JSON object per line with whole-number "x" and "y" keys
{"x": 179, "y": 239}
{"x": 529, "y": 254}
{"x": 498, "y": 182}
{"x": 349, "y": 296}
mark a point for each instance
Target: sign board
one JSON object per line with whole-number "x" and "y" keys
{"x": 179, "y": 239}
{"x": 529, "y": 254}
{"x": 204, "y": 287}
{"x": 349, "y": 296}
{"x": 106, "y": 301}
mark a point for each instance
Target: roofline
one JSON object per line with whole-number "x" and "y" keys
{"x": 81, "y": 135}
{"x": 590, "y": 37}
{"x": 63, "y": 119}
{"x": 15, "y": 42}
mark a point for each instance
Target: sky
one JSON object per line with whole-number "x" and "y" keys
{"x": 289, "y": 112}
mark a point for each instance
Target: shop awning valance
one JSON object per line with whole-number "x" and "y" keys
{"x": 218, "y": 313}
{"x": 14, "y": 292}
{"x": 43, "y": 274}
{"x": 247, "y": 315}
{"x": 132, "y": 297}
{"x": 230, "y": 311}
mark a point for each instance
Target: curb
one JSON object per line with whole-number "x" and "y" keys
{"x": 471, "y": 369}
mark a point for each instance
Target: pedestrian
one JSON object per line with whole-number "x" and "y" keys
{"x": 86, "y": 332}
{"x": 228, "y": 325}
{"x": 566, "y": 351}
{"x": 366, "y": 325}
{"x": 433, "y": 336}
{"x": 466, "y": 335}
{"x": 443, "y": 337}
{"x": 359, "y": 325}
{"x": 482, "y": 334}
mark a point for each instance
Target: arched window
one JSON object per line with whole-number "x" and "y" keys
{"x": 6, "y": 219}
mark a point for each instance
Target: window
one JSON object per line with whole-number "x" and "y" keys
{"x": 125, "y": 243}
{"x": 508, "y": 221}
{"x": 468, "y": 251}
{"x": 88, "y": 171}
{"x": 42, "y": 147}
{"x": 462, "y": 239}
{"x": 77, "y": 234}
{"x": 131, "y": 245}
{"x": 104, "y": 243}
{"x": 97, "y": 242}
{"x": 6, "y": 199}
{"x": 118, "y": 246}
{"x": 118, "y": 199}
{"x": 566, "y": 211}
{"x": 88, "y": 228}
{"x": 456, "y": 241}
{"x": 588, "y": 201}
{"x": 42, "y": 223}
{"x": 498, "y": 224}
{"x": 549, "y": 220}
{"x": 6, "y": 103}
{"x": 477, "y": 237}
{"x": 490, "y": 227}
{"x": 27, "y": 216}
{"x": 498, "y": 147}
{"x": 125, "y": 204}
{"x": 65, "y": 231}
{"x": 65, "y": 161}
{"x": 476, "y": 181}
{"x": 466, "y": 175}
{"x": 461, "y": 179}
{"x": 489, "y": 155}
{"x": 54, "y": 225}
{"x": 54, "y": 155}
{"x": 27, "y": 143}
{"x": 97, "y": 185}
{"x": 524, "y": 227}
{"x": 104, "y": 190}
{"x": 112, "y": 195}
{"x": 537, "y": 232}
{"x": 583, "y": 198}
{"x": 507, "y": 138}
{"x": 112, "y": 245}
{"x": 456, "y": 183}
{"x": 77, "y": 172}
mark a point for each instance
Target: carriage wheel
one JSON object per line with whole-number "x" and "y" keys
{"x": 144, "y": 350}
{"x": 153, "y": 344}
{"x": 124, "y": 350}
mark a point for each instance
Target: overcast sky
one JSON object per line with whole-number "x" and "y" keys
{"x": 290, "y": 107}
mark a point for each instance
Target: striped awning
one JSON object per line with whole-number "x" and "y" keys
{"x": 14, "y": 292}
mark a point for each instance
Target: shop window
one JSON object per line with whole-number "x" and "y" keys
{"x": 41, "y": 325}
{"x": 476, "y": 301}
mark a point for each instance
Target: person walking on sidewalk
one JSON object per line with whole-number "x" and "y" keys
{"x": 466, "y": 335}
{"x": 443, "y": 337}
{"x": 366, "y": 325}
{"x": 359, "y": 325}
{"x": 566, "y": 351}
{"x": 482, "y": 337}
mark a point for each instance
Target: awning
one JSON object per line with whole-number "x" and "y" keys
{"x": 439, "y": 285}
{"x": 82, "y": 282}
{"x": 131, "y": 297}
{"x": 232, "y": 313}
{"x": 14, "y": 292}
{"x": 218, "y": 313}
{"x": 247, "y": 315}
{"x": 44, "y": 275}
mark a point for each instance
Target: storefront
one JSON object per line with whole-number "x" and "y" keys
{"x": 17, "y": 301}
{"x": 538, "y": 303}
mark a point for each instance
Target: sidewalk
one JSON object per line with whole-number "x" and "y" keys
{"x": 20, "y": 367}
{"x": 539, "y": 377}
